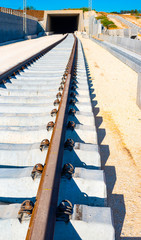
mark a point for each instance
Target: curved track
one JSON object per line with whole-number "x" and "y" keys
{"x": 26, "y": 102}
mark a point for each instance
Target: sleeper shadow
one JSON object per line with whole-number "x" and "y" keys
{"x": 115, "y": 201}
{"x": 65, "y": 231}
{"x": 70, "y": 190}
{"x": 74, "y": 159}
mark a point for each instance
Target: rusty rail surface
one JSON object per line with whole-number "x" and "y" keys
{"x": 19, "y": 66}
{"x": 43, "y": 218}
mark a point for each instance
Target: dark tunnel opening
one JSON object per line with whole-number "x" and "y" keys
{"x": 63, "y": 24}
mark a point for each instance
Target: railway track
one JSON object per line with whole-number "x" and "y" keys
{"x": 52, "y": 185}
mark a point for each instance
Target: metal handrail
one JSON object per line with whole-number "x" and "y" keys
{"x": 16, "y": 13}
{"x": 43, "y": 218}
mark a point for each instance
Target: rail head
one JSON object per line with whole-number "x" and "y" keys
{"x": 43, "y": 218}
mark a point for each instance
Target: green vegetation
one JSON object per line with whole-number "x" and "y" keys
{"x": 133, "y": 12}
{"x": 106, "y": 22}
{"x": 85, "y": 9}
{"x": 30, "y": 8}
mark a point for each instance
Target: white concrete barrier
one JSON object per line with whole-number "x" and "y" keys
{"x": 127, "y": 43}
{"x": 139, "y": 90}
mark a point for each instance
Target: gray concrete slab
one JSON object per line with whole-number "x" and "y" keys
{"x": 87, "y": 187}
{"x": 133, "y": 60}
{"x": 16, "y": 184}
{"x": 21, "y": 155}
{"x": 87, "y": 223}
{"x": 139, "y": 90}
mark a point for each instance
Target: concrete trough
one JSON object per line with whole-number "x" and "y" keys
{"x": 34, "y": 81}
{"x": 21, "y": 92}
{"x": 82, "y": 107}
{"x": 83, "y": 118}
{"x": 26, "y": 108}
{"x": 83, "y": 134}
{"x": 83, "y": 155}
{"x": 10, "y": 226}
{"x": 21, "y": 155}
{"x": 34, "y": 87}
{"x": 23, "y": 135}
{"x": 25, "y": 120}
{"x": 28, "y": 100}
{"x": 87, "y": 223}
{"x": 86, "y": 187}
{"x": 17, "y": 185}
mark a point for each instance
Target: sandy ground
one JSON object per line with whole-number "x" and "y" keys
{"x": 118, "y": 23}
{"x": 15, "y": 53}
{"x": 118, "y": 121}
{"x": 132, "y": 19}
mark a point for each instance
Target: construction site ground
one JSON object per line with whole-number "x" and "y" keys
{"x": 118, "y": 121}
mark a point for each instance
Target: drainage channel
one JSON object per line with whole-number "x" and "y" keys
{"x": 71, "y": 198}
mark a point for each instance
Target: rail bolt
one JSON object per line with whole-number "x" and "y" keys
{"x": 72, "y": 94}
{"x": 74, "y": 82}
{"x": 3, "y": 81}
{"x": 44, "y": 144}
{"x": 69, "y": 144}
{"x": 64, "y": 211}
{"x": 50, "y": 126}
{"x": 58, "y": 95}
{"x": 14, "y": 74}
{"x": 56, "y": 102}
{"x": 61, "y": 88}
{"x": 25, "y": 211}
{"x": 67, "y": 171}
{"x": 63, "y": 82}
{"x": 37, "y": 171}
{"x": 72, "y": 111}
{"x": 73, "y": 88}
{"x": 54, "y": 112}
{"x": 74, "y": 73}
{"x": 71, "y": 125}
{"x": 65, "y": 74}
{"x": 72, "y": 101}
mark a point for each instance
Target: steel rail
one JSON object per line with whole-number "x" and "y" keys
{"x": 19, "y": 66}
{"x": 43, "y": 218}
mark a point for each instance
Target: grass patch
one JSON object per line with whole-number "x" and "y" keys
{"x": 106, "y": 22}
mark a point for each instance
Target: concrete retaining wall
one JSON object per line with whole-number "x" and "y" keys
{"x": 127, "y": 43}
{"x": 95, "y": 26}
{"x": 136, "y": 66}
{"x": 127, "y": 32}
{"x": 11, "y": 27}
{"x": 139, "y": 90}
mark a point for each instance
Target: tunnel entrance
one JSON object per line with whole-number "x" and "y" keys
{"x": 63, "y": 24}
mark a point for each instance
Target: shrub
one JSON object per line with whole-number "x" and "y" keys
{"x": 106, "y": 22}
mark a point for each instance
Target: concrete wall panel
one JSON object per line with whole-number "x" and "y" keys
{"x": 127, "y": 43}
{"x": 139, "y": 91}
{"x": 11, "y": 27}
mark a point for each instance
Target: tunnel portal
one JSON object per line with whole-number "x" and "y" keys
{"x": 63, "y": 24}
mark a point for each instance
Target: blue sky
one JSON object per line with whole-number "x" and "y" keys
{"x": 99, "y": 5}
